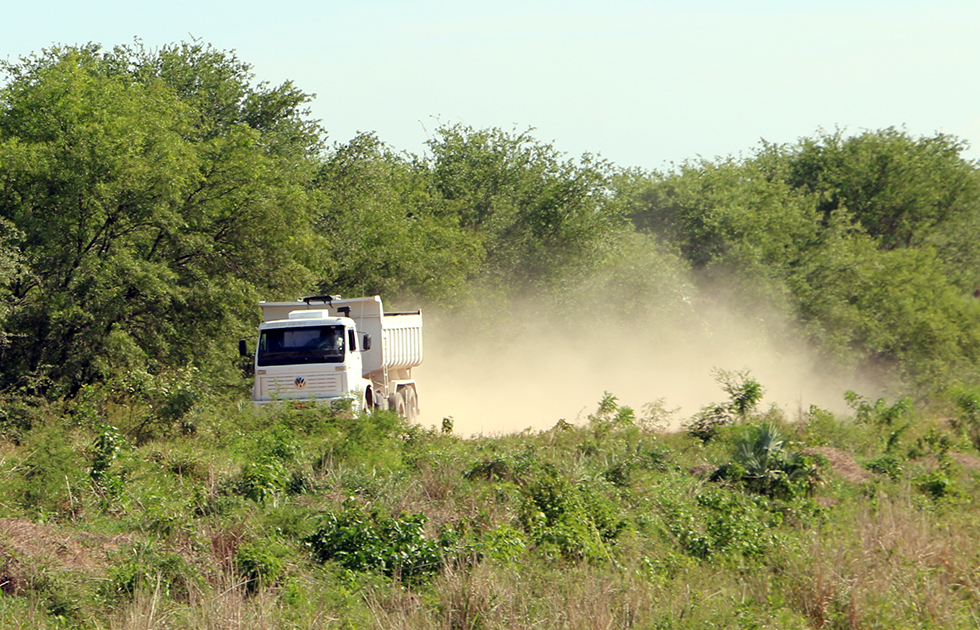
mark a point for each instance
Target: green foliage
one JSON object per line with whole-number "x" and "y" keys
{"x": 967, "y": 420}
{"x": 575, "y": 521}
{"x": 934, "y": 442}
{"x": 744, "y": 391}
{"x": 260, "y": 563}
{"x": 760, "y": 461}
{"x": 562, "y": 520}
{"x": 869, "y": 241}
{"x": 537, "y": 215}
{"x": 899, "y": 189}
{"x": 610, "y": 417}
{"x": 504, "y": 544}
{"x": 719, "y": 521}
{"x": 362, "y": 540}
{"x": 142, "y": 568}
{"x": 888, "y": 465}
{"x": 105, "y": 450}
{"x": 383, "y": 233}
{"x": 156, "y": 194}
{"x": 939, "y": 483}
{"x": 878, "y": 413}
{"x": 20, "y": 412}
{"x": 50, "y": 476}
{"x": 744, "y": 395}
{"x": 266, "y": 474}
{"x": 897, "y": 306}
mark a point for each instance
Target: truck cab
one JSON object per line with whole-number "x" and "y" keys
{"x": 308, "y": 355}
{"x": 325, "y": 348}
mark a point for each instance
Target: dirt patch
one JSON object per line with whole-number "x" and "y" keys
{"x": 841, "y": 463}
{"x": 968, "y": 462}
{"x": 25, "y": 545}
{"x": 702, "y": 471}
{"x": 21, "y": 539}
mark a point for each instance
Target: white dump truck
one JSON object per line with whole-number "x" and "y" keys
{"x": 324, "y": 348}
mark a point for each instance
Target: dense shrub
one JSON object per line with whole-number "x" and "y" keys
{"x": 761, "y": 462}
{"x": 575, "y": 520}
{"x": 361, "y": 540}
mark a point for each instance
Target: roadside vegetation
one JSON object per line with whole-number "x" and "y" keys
{"x": 148, "y": 200}
{"x": 300, "y": 518}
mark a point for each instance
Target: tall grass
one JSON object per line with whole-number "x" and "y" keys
{"x": 613, "y": 524}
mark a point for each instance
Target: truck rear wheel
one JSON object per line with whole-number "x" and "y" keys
{"x": 398, "y": 404}
{"x": 411, "y": 404}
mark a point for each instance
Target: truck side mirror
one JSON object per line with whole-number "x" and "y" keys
{"x": 366, "y": 343}
{"x": 243, "y": 348}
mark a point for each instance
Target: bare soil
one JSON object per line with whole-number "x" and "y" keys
{"x": 26, "y": 546}
{"x": 842, "y": 463}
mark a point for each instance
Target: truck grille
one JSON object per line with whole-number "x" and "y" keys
{"x": 285, "y": 386}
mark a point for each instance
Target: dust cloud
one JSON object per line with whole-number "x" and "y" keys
{"x": 530, "y": 367}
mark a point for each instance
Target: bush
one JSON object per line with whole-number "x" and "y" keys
{"x": 19, "y": 413}
{"x": 937, "y": 484}
{"x": 260, "y": 563}
{"x": 574, "y": 519}
{"x": 761, "y": 463}
{"x": 105, "y": 450}
{"x": 719, "y": 521}
{"x": 51, "y": 475}
{"x": 887, "y": 465}
{"x": 744, "y": 394}
{"x": 371, "y": 541}
{"x": 266, "y": 476}
{"x": 146, "y": 568}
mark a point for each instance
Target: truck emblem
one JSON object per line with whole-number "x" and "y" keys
{"x": 300, "y": 382}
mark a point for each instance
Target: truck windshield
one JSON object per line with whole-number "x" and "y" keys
{"x": 309, "y": 344}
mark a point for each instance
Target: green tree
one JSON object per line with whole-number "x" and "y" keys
{"x": 866, "y": 242}
{"x": 9, "y": 269}
{"x": 895, "y": 307}
{"x": 382, "y": 230}
{"x": 153, "y": 207}
{"x": 539, "y": 216}
{"x": 900, "y": 190}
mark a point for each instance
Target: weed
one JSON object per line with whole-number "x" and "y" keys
{"x": 19, "y": 413}
{"x": 575, "y": 520}
{"x": 879, "y": 412}
{"x": 145, "y": 567}
{"x": 938, "y": 484}
{"x": 105, "y": 450}
{"x": 610, "y": 417}
{"x": 504, "y": 543}
{"x": 51, "y": 476}
{"x": 720, "y": 521}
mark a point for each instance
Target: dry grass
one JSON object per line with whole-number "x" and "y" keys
{"x": 896, "y": 563}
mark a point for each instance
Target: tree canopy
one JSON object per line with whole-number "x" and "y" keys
{"x": 156, "y": 196}
{"x": 868, "y": 241}
{"x": 148, "y": 199}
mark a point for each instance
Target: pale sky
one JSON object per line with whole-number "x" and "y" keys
{"x": 640, "y": 83}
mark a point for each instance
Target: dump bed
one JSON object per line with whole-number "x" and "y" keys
{"x": 396, "y": 338}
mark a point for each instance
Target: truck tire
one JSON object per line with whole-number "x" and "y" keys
{"x": 398, "y": 406}
{"x": 411, "y": 404}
